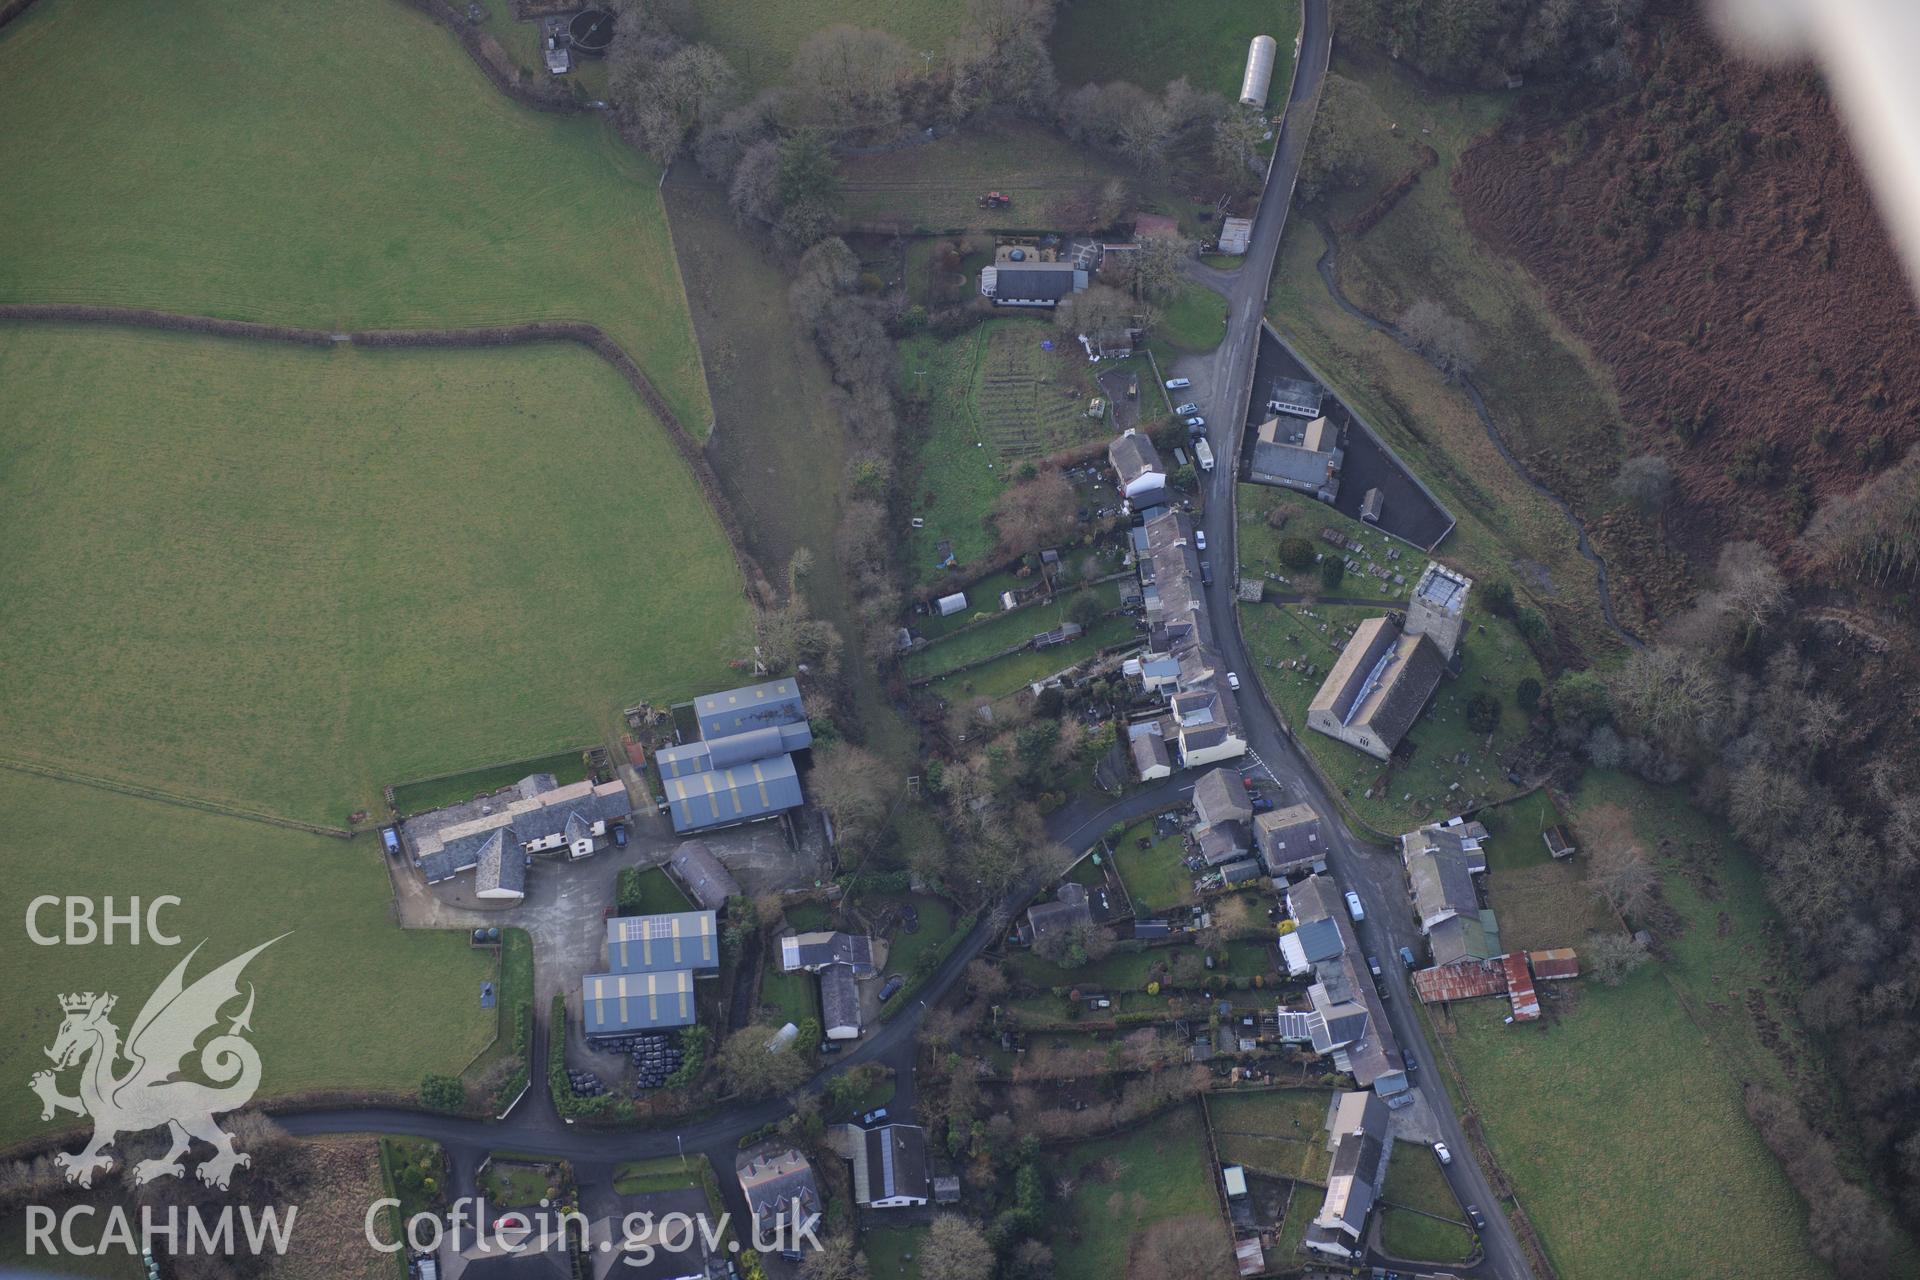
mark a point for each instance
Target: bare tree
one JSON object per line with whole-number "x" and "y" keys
{"x": 1237, "y": 137}
{"x": 1444, "y": 338}
{"x": 1645, "y": 483}
{"x": 1099, "y": 309}
{"x": 955, "y": 1250}
{"x": 1193, "y": 1247}
{"x": 1034, "y": 514}
{"x": 1157, "y": 265}
{"x": 856, "y": 788}
{"x": 851, "y": 76}
{"x": 1751, "y": 587}
{"x": 1610, "y": 957}
{"x": 1617, "y": 866}
{"x": 836, "y": 1259}
{"x": 752, "y": 1065}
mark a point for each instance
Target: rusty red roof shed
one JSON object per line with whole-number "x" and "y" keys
{"x": 1526, "y": 1002}
{"x": 1549, "y": 966}
{"x": 1460, "y": 982}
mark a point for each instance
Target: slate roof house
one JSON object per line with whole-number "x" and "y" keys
{"x": 890, "y": 1168}
{"x": 1311, "y": 466}
{"x": 1136, "y": 465}
{"x": 1069, "y": 908}
{"x": 1441, "y": 860}
{"x": 1220, "y": 796}
{"x": 495, "y": 836}
{"x": 779, "y": 1188}
{"x": 1031, "y": 284}
{"x": 1377, "y": 688}
{"x": 1345, "y": 1020}
{"x": 1288, "y": 839}
{"x": 740, "y": 768}
{"x": 1358, "y": 1126}
{"x": 840, "y": 960}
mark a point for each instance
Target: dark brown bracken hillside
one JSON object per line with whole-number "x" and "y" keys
{"x": 1710, "y": 235}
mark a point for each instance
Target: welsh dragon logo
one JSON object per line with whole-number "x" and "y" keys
{"x": 148, "y": 1093}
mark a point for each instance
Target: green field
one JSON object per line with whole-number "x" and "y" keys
{"x": 1648, "y": 1076}
{"x": 1281, "y": 1133}
{"x": 1004, "y": 630}
{"x": 1157, "y": 1170}
{"x": 1516, "y": 829}
{"x": 935, "y": 187}
{"x": 1156, "y": 878}
{"x": 285, "y": 619}
{"x": 436, "y": 793}
{"x": 794, "y": 997}
{"x": 667, "y": 1173}
{"x": 893, "y": 1253}
{"x": 340, "y": 164}
{"x": 1195, "y": 320}
{"x": 343, "y": 965}
{"x": 1150, "y": 44}
{"x": 1494, "y": 659}
{"x": 1418, "y": 1200}
{"x": 760, "y": 40}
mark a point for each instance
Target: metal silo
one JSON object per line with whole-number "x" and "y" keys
{"x": 1259, "y": 77}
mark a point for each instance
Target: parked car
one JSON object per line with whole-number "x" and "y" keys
{"x": 1187, "y": 408}
{"x": 1261, "y": 804}
{"x": 1478, "y": 1219}
{"x": 1179, "y": 384}
{"x": 1441, "y": 1153}
{"x": 619, "y": 835}
{"x": 1406, "y": 957}
{"x": 1413, "y": 1063}
{"x": 1373, "y": 964}
{"x": 893, "y": 986}
{"x": 829, "y": 1046}
{"x": 1233, "y": 680}
{"x": 1354, "y": 908}
{"x": 1199, "y": 539}
{"x": 1197, "y": 422}
{"x": 874, "y": 1117}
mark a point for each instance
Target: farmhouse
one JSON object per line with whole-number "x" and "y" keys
{"x": 616, "y": 1005}
{"x": 1017, "y": 281}
{"x": 1136, "y": 466}
{"x": 702, "y": 875}
{"x": 779, "y": 1188}
{"x": 890, "y": 1166}
{"x": 495, "y": 837}
{"x": 1358, "y": 1128}
{"x": 840, "y": 960}
{"x": 740, "y": 768}
{"x": 1311, "y": 465}
{"x": 1289, "y": 840}
{"x": 1377, "y": 688}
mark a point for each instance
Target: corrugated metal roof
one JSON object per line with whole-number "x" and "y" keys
{"x": 1526, "y": 1003}
{"x": 617, "y": 1003}
{"x": 1557, "y": 963}
{"x": 722, "y": 797}
{"x": 656, "y": 944}
{"x": 1459, "y": 982}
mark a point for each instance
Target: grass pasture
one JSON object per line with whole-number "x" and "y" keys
{"x": 1689, "y": 1188}
{"x": 1280, "y": 1133}
{"x": 1155, "y": 876}
{"x": 934, "y": 187}
{"x": 436, "y": 793}
{"x": 1423, "y": 1220}
{"x": 1151, "y": 44}
{"x": 284, "y": 619}
{"x": 1196, "y": 319}
{"x": 340, "y": 164}
{"x": 1156, "y": 1171}
{"x": 240, "y": 884}
{"x": 760, "y": 40}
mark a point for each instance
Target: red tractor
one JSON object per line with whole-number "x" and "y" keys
{"x": 994, "y": 200}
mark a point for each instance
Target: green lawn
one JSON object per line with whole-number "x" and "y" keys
{"x": 893, "y": 1253}
{"x": 340, "y": 164}
{"x": 794, "y": 996}
{"x": 1157, "y": 1170}
{"x": 1009, "y": 675}
{"x": 667, "y": 1173}
{"x": 1415, "y": 1181}
{"x": 436, "y": 793}
{"x": 511, "y": 1184}
{"x": 1494, "y": 660}
{"x": 284, "y": 617}
{"x": 513, "y": 988}
{"x": 936, "y": 924}
{"x": 1151, "y": 43}
{"x": 1418, "y": 1238}
{"x": 1277, "y": 1132}
{"x": 935, "y": 187}
{"x": 1650, "y": 1087}
{"x": 1004, "y": 630}
{"x": 1195, "y": 320}
{"x": 659, "y": 895}
{"x": 345, "y": 1001}
{"x": 1155, "y": 876}
{"x": 760, "y": 40}
{"x": 1516, "y": 831}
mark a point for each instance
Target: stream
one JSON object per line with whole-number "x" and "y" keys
{"x": 1329, "y": 278}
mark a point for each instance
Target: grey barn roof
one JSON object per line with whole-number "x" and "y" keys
{"x": 890, "y": 1161}
{"x": 703, "y": 876}
{"x": 614, "y": 1004}
{"x": 839, "y": 997}
{"x": 815, "y": 951}
{"x": 657, "y": 943}
{"x": 723, "y": 797}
